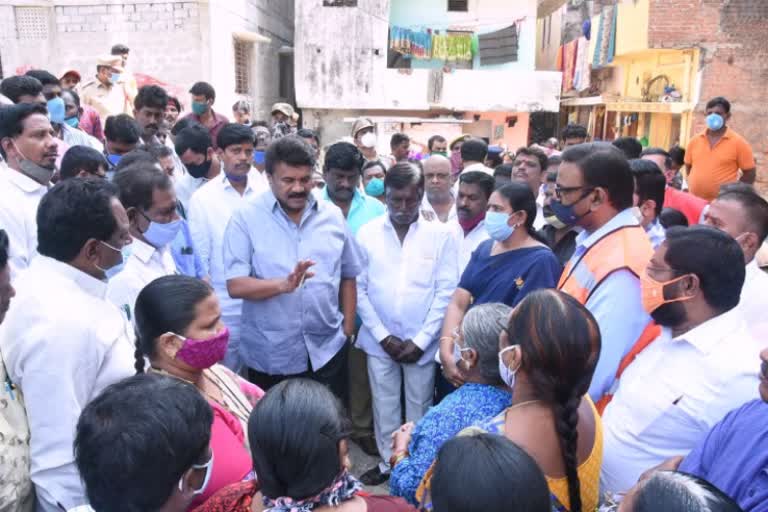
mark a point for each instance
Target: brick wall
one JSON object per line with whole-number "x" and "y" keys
{"x": 733, "y": 38}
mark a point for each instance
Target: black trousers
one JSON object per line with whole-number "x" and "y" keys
{"x": 334, "y": 374}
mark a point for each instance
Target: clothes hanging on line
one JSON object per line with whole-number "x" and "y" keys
{"x": 605, "y": 46}
{"x": 581, "y": 75}
{"x": 569, "y": 64}
{"x": 411, "y": 43}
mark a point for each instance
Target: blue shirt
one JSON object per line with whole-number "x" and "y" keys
{"x": 185, "y": 254}
{"x": 285, "y": 334}
{"x": 464, "y": 407}
{"x": 363, "y": 209}
{"x": 734, "y": 456}
{"x": 508, "y": 277}
{"x": 616, "y": 305}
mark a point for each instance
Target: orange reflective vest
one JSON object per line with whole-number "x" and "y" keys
{"x": 625, "y": 248}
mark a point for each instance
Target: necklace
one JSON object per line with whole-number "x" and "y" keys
{"x": 522, "y": 404}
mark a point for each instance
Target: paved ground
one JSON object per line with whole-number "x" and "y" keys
{"x": 362, "y": 462}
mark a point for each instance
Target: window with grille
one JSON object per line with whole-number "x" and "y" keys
{"x": 458, "y": 5}
{"x": 31, "y": 23}
{"x": 243, "y": 51}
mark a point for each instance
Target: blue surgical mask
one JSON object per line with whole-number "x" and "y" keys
{"x": 56, "y": 110}
{"x": 497, "y": 226}
{"x": 375, "y": 187}
{"x": 715, "y": 122}
{"x": 115, "y": 77}
{"x": 73, "y": 121}
{"x": 199, "y": 107}
{"x": 505, "y": 372}
{"x": 259, "y": 157}
{"x": 125, "y": 253}
{"x": 114, "y": 159}
{"x": 160, "y": 235}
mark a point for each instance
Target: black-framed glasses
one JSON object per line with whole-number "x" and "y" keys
{"x": 560, "y": 191}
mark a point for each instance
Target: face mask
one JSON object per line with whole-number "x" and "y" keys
{"x": 375, "y": 187}
{"x": 114, "y": 159}
{"x": 199, "y": 107}
{"x": 565, "y": 214}
{"x": 114, "y": 78}
{"x": 160, "y": 235}
{"x": 259, "y": 157}
{"x": 32, "y": 170}
{"x": 202, "y": 354}
{"x": 457, "y": 358}
{"x": 470, "y": 224}
{"x": 441, "y": 153}
{"x": 236, "y": 177}
{"x": 125, "y": 253}
{"x": 551, "y": 219}
{"x": 368, "y": 140}
{"x": 505, "y": 372}
{"x": 715, "y": 122}
{"x": 56, "y": 110}
{"x": 208, "y": 467}
{"x": 496, "y": 224}
{"x": 637, "y": 214}
{"x": 199, "y": 170}
{"x": 455, "y": 162}
{"x": 73, "y": 121}
{"x": 653, "y": 293}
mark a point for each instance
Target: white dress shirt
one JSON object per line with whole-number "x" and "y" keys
{"x": 674, "y": 392}
{"x": 477, "y": 167}
{"x": 144, "y": 266}
{"x": 754, "y": 300}
{"x": 185, "y": 186}
{"x": 405, "y": 288}
{"x": 63, "y": 343}
{"x": 469, "y": 242}
{"x": 426, "y": 207}
{"x": 210, "y": 209}
{"x": 19, "y": 198}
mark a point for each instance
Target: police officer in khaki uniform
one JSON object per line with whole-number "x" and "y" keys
{"x": 106, "y": 93}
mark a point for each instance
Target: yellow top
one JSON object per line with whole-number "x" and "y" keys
{"x": 589, "y": 472}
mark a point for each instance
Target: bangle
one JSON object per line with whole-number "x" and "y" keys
{"x": 396, "y": 458}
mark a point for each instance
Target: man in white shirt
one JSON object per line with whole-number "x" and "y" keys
{"x": 529, "y": 168}
{"x": 701, "y": 367}
{"x": 150, "y": 201}
{"x": 475, "y": 189}
{"x": 648, "y": 198}
{"x": 194, "y": 148}
{"x": 210, "y": 210}
{"x": 62, "y": 341}
{"x": 439, "y": 201}
{"x": 742, "y": 213}
{"x": 408, "y": 277}
{"x": 473, "y": 153}
{"x": 28, "y": 147}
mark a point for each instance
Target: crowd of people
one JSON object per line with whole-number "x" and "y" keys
{"x": 198, "y": 314}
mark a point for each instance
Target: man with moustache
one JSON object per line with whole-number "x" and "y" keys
{"x": 702, "y": 365}
{"x": 294, "y": 263}
{"x": 439, "y": 201}
{"x": 149, "y": 111}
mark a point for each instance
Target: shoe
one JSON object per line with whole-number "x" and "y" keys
{"x": 367, "y": 444}
{"x": 374, "y": 477}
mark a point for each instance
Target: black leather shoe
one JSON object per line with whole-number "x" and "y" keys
{"x": 374, "y": 477}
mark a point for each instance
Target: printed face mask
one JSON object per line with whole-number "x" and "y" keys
{"x": 202, "y": 354}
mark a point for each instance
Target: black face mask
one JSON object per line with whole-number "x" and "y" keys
{"x": 199, "y": 170}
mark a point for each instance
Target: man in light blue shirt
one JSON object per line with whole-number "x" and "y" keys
{"x": 293, "y": 261}
{"x": 595, "y": 191}
{"x": 650, "y": 185}
{"x": 342, "y": 171}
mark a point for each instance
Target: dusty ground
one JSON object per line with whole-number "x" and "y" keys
{"x": 362, "y": 462}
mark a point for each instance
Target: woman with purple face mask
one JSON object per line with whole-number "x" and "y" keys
{"x": 180, "y": 333}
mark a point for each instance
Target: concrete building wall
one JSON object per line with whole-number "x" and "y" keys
{"x": 175, "y": 41}
{"x": 733, "y": 42}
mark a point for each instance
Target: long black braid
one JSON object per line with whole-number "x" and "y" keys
{"x": 566, "y": 422}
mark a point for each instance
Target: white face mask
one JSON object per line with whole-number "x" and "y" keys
{"x": 505, "y": 372}
{"x": 368, "y": 140}
{"x": 208, "y": 467}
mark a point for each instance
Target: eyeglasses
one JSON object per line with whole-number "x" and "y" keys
{"x": 561, "y": 191}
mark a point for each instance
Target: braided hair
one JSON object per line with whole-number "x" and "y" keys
{"x": 560, "y": 341}
{"x": 167, "y": 304}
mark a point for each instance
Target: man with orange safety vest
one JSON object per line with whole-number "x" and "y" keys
{"x": 594, "y": 191}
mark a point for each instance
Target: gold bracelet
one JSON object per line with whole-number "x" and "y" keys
{"x": 396, "y": 458}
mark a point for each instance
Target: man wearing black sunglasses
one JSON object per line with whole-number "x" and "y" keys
{"x": 594, "y": 191}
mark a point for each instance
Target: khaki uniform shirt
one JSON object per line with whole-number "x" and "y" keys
{"x": 106, "y": 100}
